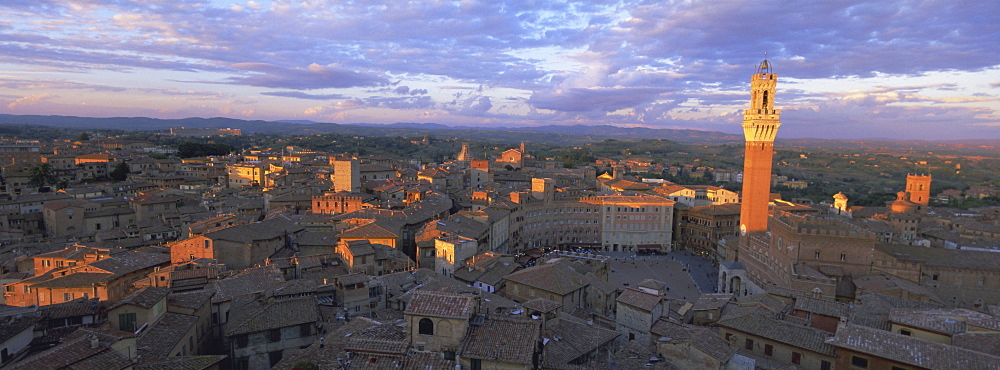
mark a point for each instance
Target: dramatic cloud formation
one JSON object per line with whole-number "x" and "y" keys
{"x": 894, "y": 68}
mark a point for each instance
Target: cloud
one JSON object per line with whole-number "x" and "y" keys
{"x": 627, "y": 62}
{"x": 477, "y": 105}
{"x": 27, "y": 101}
{"x": 313, "y": 77}
{"x": 591, "y": 100}
{"x": 302, "y": 95}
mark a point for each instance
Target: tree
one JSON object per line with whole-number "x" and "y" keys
{"x": 41, "y": 175}
{"x": 83, "y": 137}
{"x": 121, "y": 171}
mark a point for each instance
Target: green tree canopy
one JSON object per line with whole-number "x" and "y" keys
{"x": 41, "y": 175}
{"x": 121, "y": 171}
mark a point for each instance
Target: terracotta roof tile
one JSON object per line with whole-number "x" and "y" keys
{"x": 502, "y": 339}
{"x": 553, "y": 277}
{"x": 795, "y": 335}
{"x": 639, "y": 299}
{"x": 160, "y": 338}
{"x": 145, "y": 297}
{"x": 181, "y": 363}
{"x": 274, "y": 315}
{"x": 570, "y": 337}
{"x": 910, "y": 350}
{"x": 440, "y": 305}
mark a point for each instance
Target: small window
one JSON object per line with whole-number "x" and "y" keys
{"x": 274, "y": 335}
{"x": 769, "y": 350}
{"x": 242, "y": 340}
{"x": 748, "y": 344}
{"x": 843, "y": 257}
{"x": 274, "y": 357}
{"x": 905, "y": 332}
{"x": 859, "y": 362}
{"x": 126, "y": 321}
{"x": 796, "y": 358}
{"x": 425, "y": 326}
{"x": 824, "y": 365}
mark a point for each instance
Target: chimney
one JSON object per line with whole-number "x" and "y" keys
{"x": 93, "y": 341}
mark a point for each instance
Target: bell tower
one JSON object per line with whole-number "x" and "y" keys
{"x": 760, "y": 126}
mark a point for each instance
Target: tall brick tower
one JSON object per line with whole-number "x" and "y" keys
{"x": 919, "y": 187}
{"x": 760, "y": 125}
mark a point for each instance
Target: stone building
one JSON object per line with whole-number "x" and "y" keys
{"x": 260, "y": 330}
{"x": 636, "y": 313}
{"x": 782, "y": 341}
{"x": 700, "y": 229}
{"x": 238, "y": 246}
{"x": 438, "y": 322}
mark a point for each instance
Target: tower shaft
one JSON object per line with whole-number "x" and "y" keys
{"x": 760, "y": 126}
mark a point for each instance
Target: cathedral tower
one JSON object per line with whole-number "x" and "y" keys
{"x": 919, "y": 187}
{"x": 760, "y": 125}
{"x": 465, "y": 154}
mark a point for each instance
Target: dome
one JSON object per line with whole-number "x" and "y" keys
{"x": 840, "y": 196}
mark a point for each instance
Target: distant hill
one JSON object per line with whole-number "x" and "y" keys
{"x": 562, "y": 135}
{"x": 553, "y": 134}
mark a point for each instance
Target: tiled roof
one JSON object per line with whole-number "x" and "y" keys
{"x": 943, "y": 320}
{"x": 910, "y": 350}
{"x": 779, "y": 331}
{"x": 181, "y": 363}
{"x": 701, "y": 338}
{"x": 639, "y": 299}
{"x": 247, "y": 281}
{"x": 552, "y": 277}
{"x": 498, "y": 272}
{"x": 712, "y": 301}
{"x": 322, "y": 238}
{"x": 262, "y": 230}
{"x": 9, "y": 329}
{"x": 370, "y": 230}
{"x": 76, "y": 307}
{"x": 145, "y": 297}
{"x": 128, "y": 262}
{"x": 160, "y": 338}
{"x": 190, "y": 300}
{"x": 979, "y": 342}
{"x": 359, "y": 247}
{"x": 570, "y": 337}
{"x": 502, "y": 339}
{"x": 960, "y": 258}
{"x": 351, "y": 279}
{"x": 386, "y": 339}
{"x": 77, "y": 353}
{"x": 73, "y": 252}
{"x": 435, "y": 304}
{"x": 274, "y": 315}
{"x": 74, "y": 280}
{"x": 542, "y": 305}
{"x": 821, "y": 306}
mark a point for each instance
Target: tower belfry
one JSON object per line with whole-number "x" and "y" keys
{"x": 760, "y": 126}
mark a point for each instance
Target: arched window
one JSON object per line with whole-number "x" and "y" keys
{"x": 765, "y": 99}
{"x": 425, "y": 326}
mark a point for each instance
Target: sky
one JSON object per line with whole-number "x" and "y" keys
{"x": 847, "y": 69}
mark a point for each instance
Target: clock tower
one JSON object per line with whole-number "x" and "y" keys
{"x": 760, "y": 125}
